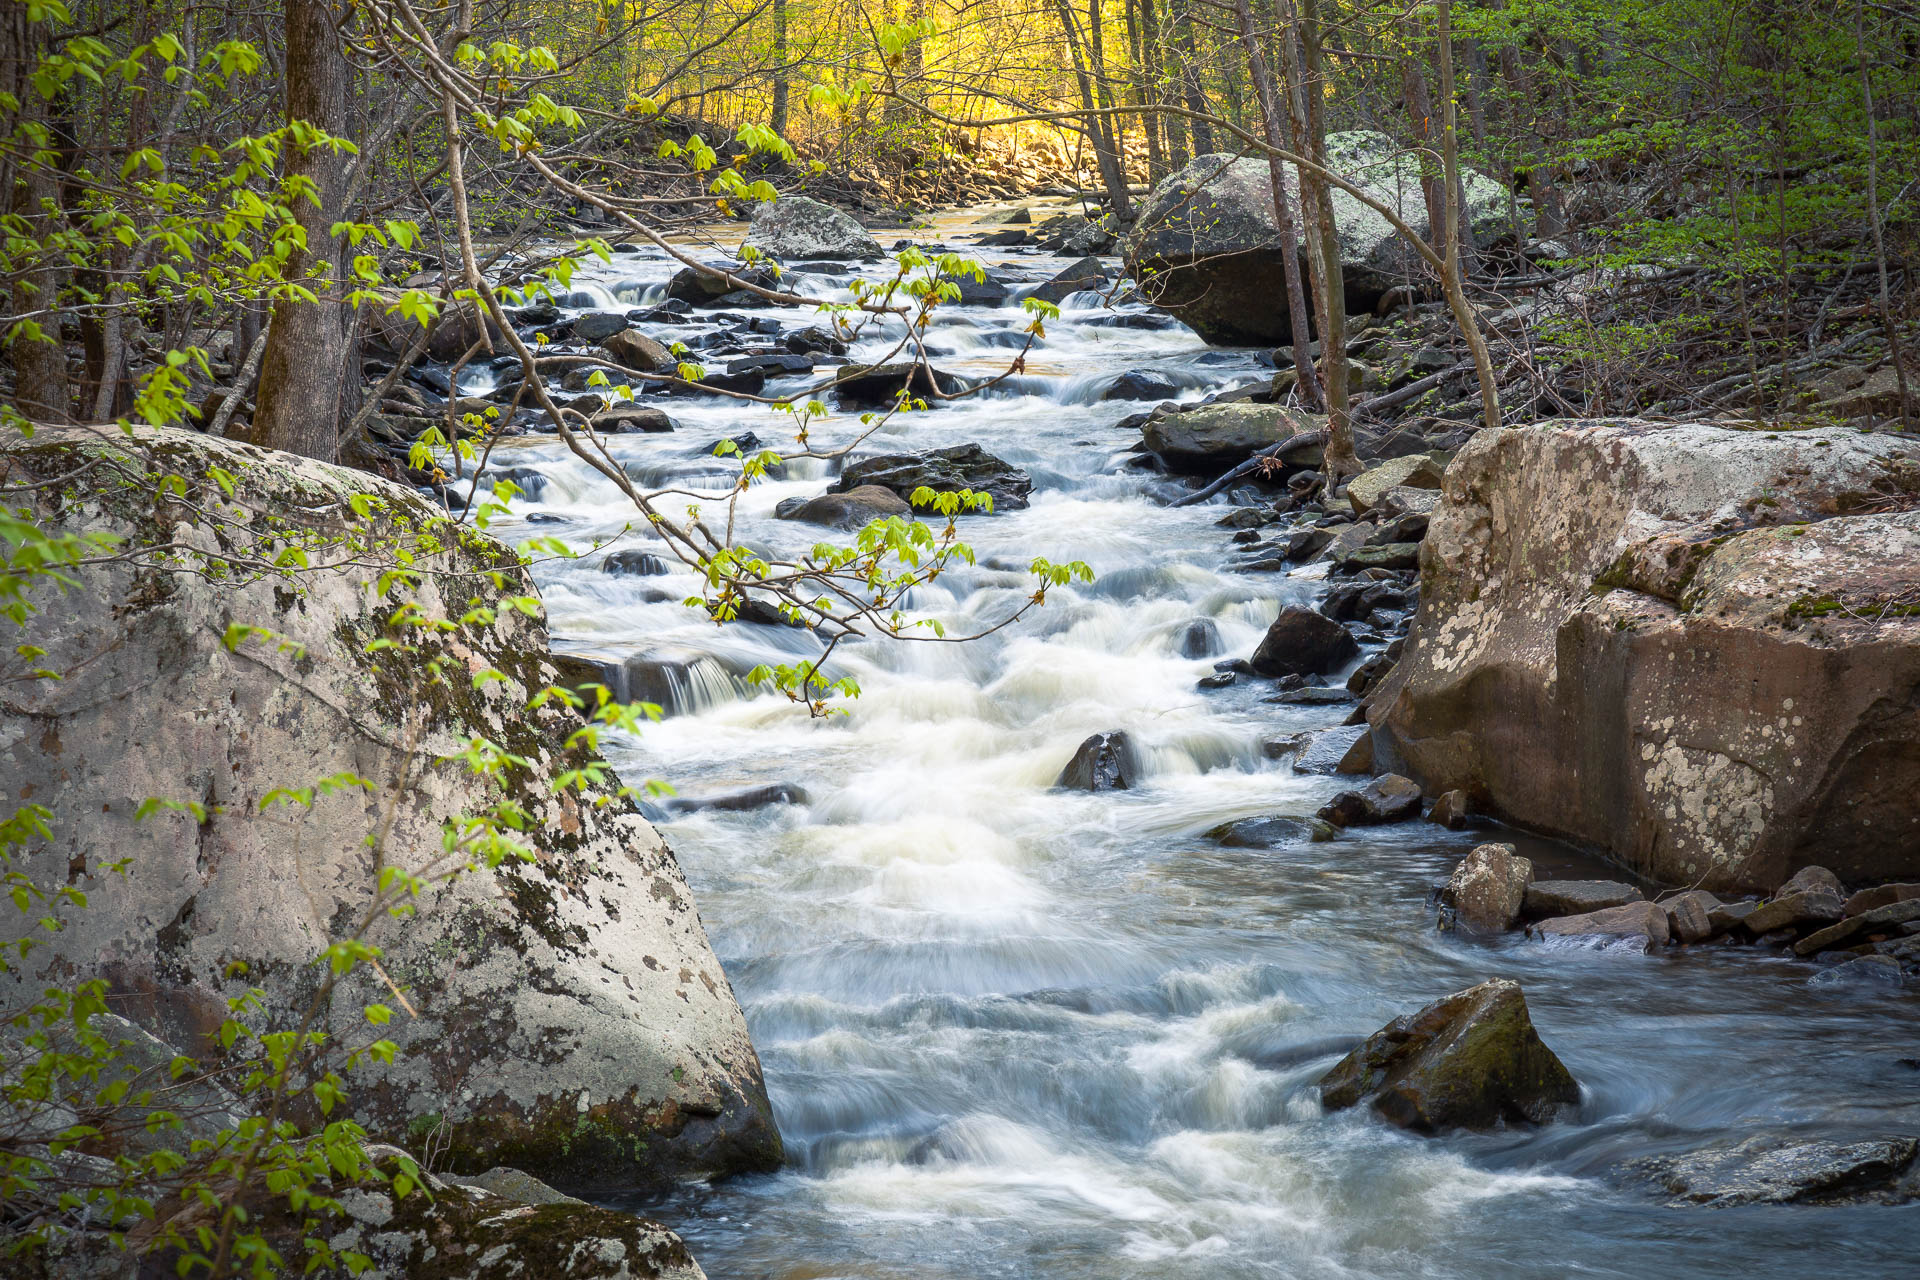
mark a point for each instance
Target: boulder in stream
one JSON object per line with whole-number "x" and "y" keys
{"x": 1303, "y": 641}
{"x": 1573, "y": 897}
{"x": 1488, "y": 888}
{"x": 1211, "y": 438}
{"x": 1471, "y": 1060}
{"x": 1104, "y": 762}
{"x": 1387, "y": 798}
{"x": 572, "y": 1019}
{"x": 965, "y": 466}
{"x": 1642, "y": 923}
{"x": 1085, "y": 274}
{"x": 797, "y": 227}
{"x": 1205, "y": 245}
{"x": 1683, "y": 644}
{"x": 635, "y": 350}
{"x": 854, "y": 509}
{"x": 879, "y": 386}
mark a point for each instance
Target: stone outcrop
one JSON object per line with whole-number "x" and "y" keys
{"x": 572, "y": 1019}
{"x": 799, "y": 227}
{"x": 1206, "y": 246}
{"x": 1469, "y": 1060}
{"x": 1695, "y": 647}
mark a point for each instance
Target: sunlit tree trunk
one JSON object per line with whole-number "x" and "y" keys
{"x": 1112, "y": 176}
{"x": 1188, "y": 73}
{"x": 781, "y": 73}
{"x": 1142, "y": 81}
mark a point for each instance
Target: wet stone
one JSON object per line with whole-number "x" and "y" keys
{"x": 1576, "y": 897}
{"x": 1774, "y": 1170}
{"x": 1104, "y": 762}
{"x": 1271, "y": 832}
{"x": 1640, "y": 922}
{"x": 1388, "y": 798}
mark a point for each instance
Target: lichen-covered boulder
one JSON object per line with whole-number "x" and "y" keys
{"x": 797, "y": 227}
{"x": 1470, "y": 1060}
{"x": 1695, "y": 647}
{"x": 1487, "y": 890}
{"x": 570, "y": 1017}
{"x": 1206, "y": 246}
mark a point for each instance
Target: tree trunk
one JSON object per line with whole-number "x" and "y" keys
{"x": 781, "y": 74}
{"x": 309, "y": 357}
{"x": 1329, "y": 279}
{"x": 1413, "y": 82}
{"x": 1112, "y": 176}
{"x": 1282, "y": 207}
{"x": 1188, "y": 73}
{"x": 1174, "y": 127}
{"x": 1142, "y": 82}
{"x": 1450, "y": 158}
{"x": 40, "y": 388}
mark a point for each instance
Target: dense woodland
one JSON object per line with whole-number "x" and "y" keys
{"x": 256, "y": 223}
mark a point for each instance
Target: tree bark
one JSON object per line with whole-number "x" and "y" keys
{"x": 1450, "y": 159}
{"x": 781, "y": 73}
{"x": 1282, "y": 207}
{"x": 309, "y": 356}
{"x": 1098, "y": 134}
{"x": 1330, "y": 279}
{"x": 1873, "y": 221}
{"x": 1188, "y": 73}
{"x": 40, "y": 386}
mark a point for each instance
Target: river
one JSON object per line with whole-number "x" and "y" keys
{"x": 1010, "y": 1031}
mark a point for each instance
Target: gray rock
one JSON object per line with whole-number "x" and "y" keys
{"x": 617, "y": 419}
{"x": 797, "y": 227}
{"x": 659, "y": 1082}
{"x": 1469, "y": 1060}
{"x": 1488, "y": 887}
{"x": 741, "y": 801}
{"x": 879, "y": 386}
{"x": 512, "y": 1184}
{"x": 1880, "y": 920}
{"x": 1303, "y": 641}
{"x": 1369, "y": 488}
{"x": 1881, "y": 896}
{"x": 598, "y": 326}
{"x": 1812, "y": 880}
{"x": 1104, "y": 762}
{"x": 1878, "y": 970}
{"x": 1140, "y": 384}
{"x": 634, "y": 563}
{"x": 1323, "y": 751}
{"x": 1085, "y": 274}
{"x": 1388, "y": 798}
{"x": 1199, "y": 638}
{"x": 1774, "y": 1170}
{"x": 1210, "y": 439}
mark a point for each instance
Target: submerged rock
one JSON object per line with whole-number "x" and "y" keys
{"x": 1672, "y": 642}
{"x": 657, "y": 1082}
{"x": 1487, "y": 889}
{"x": 1104, "y": 762}
{"x": 1270, "y": 832}
{"x": 1773, "y": 1170}
{"x": 1470, "y": 1060}
{"x": 1325, "y": 750}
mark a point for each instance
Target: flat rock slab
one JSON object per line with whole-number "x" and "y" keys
{"x": 1769, "y": 1170}
{"x": 1576, "y": 897}
{"x": 1640, "y": 921}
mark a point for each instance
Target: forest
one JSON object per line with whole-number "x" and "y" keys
{"x": 783, "y": 638}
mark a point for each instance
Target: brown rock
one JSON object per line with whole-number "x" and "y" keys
{"x": 1880, "y": 896}
{"x": 1641, "y": 920}
{"x": 1812, "y": 880}
{"x": 1450, "y": 810}
{"x": 1488, "y": 887}
{"x": 1388, "y": 798}
{"x": 1359, "y": 756}
{"x": 1879, "y": 920}
{"x": 1469, "y": 1060}
{"x": 851, "y": 510}
{"x": 1728, "y": 914}
{"x": 1799, "y": 911}
{"x": 1690, "y": 915}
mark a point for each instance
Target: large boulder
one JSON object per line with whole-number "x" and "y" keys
{"x": 1207, "y": 248}
{"x": 879, "y": 386}
{"x": 1212, "y": 438}
{"x": 570, "y": 1017}
{"x": 1695, "y": 647}
{"x": 1470, "y": 1060}
{"x": 797, "y": 227}
{"x": 965, "y": 466}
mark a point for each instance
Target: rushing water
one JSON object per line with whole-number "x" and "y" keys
{"x": 1011, "y": 1031}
